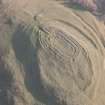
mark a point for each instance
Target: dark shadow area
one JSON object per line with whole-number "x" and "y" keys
{"x": 26, "y": 53}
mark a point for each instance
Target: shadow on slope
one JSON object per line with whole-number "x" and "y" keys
{"x": 26, "y": 53}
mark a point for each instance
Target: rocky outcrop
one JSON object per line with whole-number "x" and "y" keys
{"x": 50, "y": 55}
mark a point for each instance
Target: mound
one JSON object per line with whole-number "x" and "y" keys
{"x": 50, "y": 55}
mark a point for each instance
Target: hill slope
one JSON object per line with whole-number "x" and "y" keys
{"x": 50, "y": 55}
